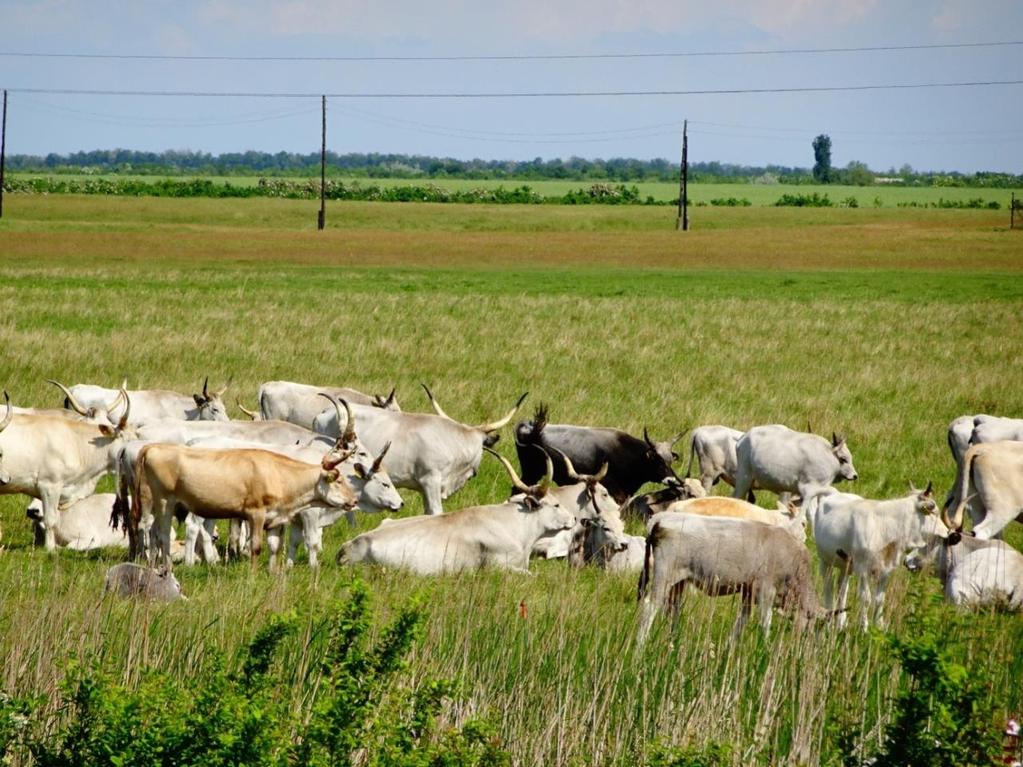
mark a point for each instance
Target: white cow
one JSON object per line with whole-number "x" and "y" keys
{"x": 994, "y": 471}
{"x": 785, "y": 461}
{"x": 431, "y": 454}
{"x": 787, "y": 517}
{"x": 869, "y": 538}
{"x": 56, "y": 459}
{"x": 82, "y": 526}
{"x": 500, "y": 535}
{"x": 714, "y": 446}
{"x": 301, "y": 403}
{"x": 152, "y": 404}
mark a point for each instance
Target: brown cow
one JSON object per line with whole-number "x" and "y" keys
{"x": 260, "y": 487}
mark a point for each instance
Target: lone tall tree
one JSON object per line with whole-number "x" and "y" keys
{"x": 822, "y": 158}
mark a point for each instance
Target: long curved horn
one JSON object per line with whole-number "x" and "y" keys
{"x": 220, "y": 392}
{"x": 127, "y": 409}
{"x": 517, "y": 482}
{"x": 116, "y": 400}
{"x": 10, "y": 412}
{"x": 544, "y": 485}
{"x": 945, "y": 520}
{"x": 436, "y": 407}
{"x": 380, "y": 459}
{"x": 70, "y": 397}
{"x": 646, "y": 438}
{"x": 251, "y": 414}
{"x": 569, "y": 468}
{"x": 495, "y": 425}
{"x": 349, "y": 433}
{"x": 390, "y": 397}
{"x": 601, "y": 473}
{"x": 957, "y": 518}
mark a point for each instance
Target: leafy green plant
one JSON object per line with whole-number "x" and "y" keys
{"x": 813, "y": 200}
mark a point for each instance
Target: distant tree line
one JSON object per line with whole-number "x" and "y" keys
{"x": 377, "y": 165}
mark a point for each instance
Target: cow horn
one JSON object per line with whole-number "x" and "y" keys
{"x": 114, "y": 402}
{"x": 436, "y": 407}
{"x": 10, "y": 411}
{"x": 541, "y": 489}
{"x": 390, "y": 397}
{"x": 569, "y": 468}
{"x": 495, "y": 425}
{"x": 837, "y": 439}
{"x": 678, "y": 436}
{"x": 349, "y": 433}
{"x": 75, "y": 404}
{"x": 930, "y": 487}
{"x": 127, "y": 409}
{"x": 945, "y": 520}
{"x": 220, "y": 393}
{"x": 329, "y": 465}
{"x": 646, "y": 438}
{"x": 251, "y": 414}
{"x": 957, "y": 518}
{"x": 380, "y": 458}
{"x": 517, "y": 482}
{"x": 205, "y": 386}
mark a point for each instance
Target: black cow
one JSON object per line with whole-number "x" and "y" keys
{"x": 633, "y": 461}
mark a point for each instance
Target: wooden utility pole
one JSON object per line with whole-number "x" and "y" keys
{"x": 683, "y": 203}
{"x": 321, "y": 220}
{"x": 1012, "y": 205}
{"x": 3, "y": 152}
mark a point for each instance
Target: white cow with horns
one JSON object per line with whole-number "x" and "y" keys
{"x": 151, "y": 404}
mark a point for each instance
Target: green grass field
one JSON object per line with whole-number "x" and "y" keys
{"x": 881, "y": 324}
{"x": 757, "y": 194}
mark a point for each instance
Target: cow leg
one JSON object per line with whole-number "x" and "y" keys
{"x": 432, "y": 494}
{"x": 350, "y": 516}
{"x": 784, "y": 498}
{"x": 744, "y": 612}
{"x": 273, "y": 543}
{"x": 743, "y": 483}
{"x": 843, "y": 597}
{"x": 192, "y": 528}
{"x": 866, "y": 601}
{"x": 50, "y": 497}
{"x": 296, "y": 534}
{"x": 879, "y": 591}
{"x": 828, "y": 578}
{"x": 163, "y": 518}
{"x": 708, "y": 480}
{"x": 256, "y": 521}
{"x": 655, "y": 597}
{"x": 765, "y": 608}
{"x": 313, "y": 536}
{"x": 206, "y": 536}
{"x": 986, "y": 522}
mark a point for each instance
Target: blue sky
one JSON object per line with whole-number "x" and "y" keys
{"x": 964, "y": 129}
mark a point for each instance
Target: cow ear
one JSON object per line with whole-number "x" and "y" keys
{"x": 333, "y": 474}
{"x": 199, "y": 399}
{"x": 360, "y": 471}
{"x": 531, "y": 503}
{"x": 106, "y": 430}
{"x": 954, "y": 537}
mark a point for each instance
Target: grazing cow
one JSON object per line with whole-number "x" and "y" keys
{"x": 725, "y": 556}
{"x": 82, "y": 526}
{"x": 633, "y": 461}
{"x": 301, "y": 403}
{"x": 870, "y": 539}
{"x": 57, "y": 459}
{"x": 997, "y": 430}
{"x": 500, "y": 535}
{"x": 152, "y": 404}
{"x": 715, "y": 448}
{"x": 645, "y": 505}
{"x": 128, "y": 580}
{"x": 257, "y": 486}
{"x": 995, "y": 471}
{"x": 431, "y": 454}
{"x": 973, "y": 571}
{"x": 272, "y": 432}
{"x": 592, "y": 506}
{"x": 784, "y": 461}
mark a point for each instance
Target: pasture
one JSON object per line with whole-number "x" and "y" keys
{"x": 882, "y": 324}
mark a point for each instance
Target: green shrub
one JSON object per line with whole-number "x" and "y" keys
{"x": 731, "y": 202}
{"x": 813, "y": 200}
{"x": 356, "y": 710}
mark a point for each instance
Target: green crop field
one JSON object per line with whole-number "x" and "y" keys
{"x": 757, "y": 194}
{"x": 883, "y": 324}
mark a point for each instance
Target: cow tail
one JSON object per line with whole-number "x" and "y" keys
{"x": 692, "y": 454}
{"x": 136, "y": 504}
{"x": 644, "y": 576}
{"x": 965, "y": 472}
{"x": 263, "y": 404}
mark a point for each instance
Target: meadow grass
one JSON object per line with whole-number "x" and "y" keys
{"x": 881, "y": 328}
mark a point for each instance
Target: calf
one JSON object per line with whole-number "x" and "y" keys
{"x": 722, "y": 556}
{"x": 131, "y": 580}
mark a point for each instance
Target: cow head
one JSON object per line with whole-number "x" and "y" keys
{"x": 211, "y": 406}
{"x": 387, "y": 403}
{"x": 645, "y": 505}
{"x": 533, "y": 496}
{"x": 332, "y": 487}
{"x": 95, "y": 414}
{"x": 841, "y": 452}
{"x": 942, "y": 536}
{"x": 487, "y": 430}
{"x": 377, "y": 491}
{"x": 661, "y": 455}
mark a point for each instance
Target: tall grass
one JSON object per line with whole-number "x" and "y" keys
{"x": 888, "y": 359}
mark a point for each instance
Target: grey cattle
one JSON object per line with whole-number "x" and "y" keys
{"x": 785, "y": 461}
{"x": 868, "y": 538}
{"x": 714, "y": 446}
{"x": 56, "y": 459}
{"x": 725, "y": 556}
{"x": 499, "y": 535}
{"x": 82, "y": 526}
{"x": 591, "y": 505}
{"x": 645, "y": 505}
{"x": 973, "y": 571}
{"x": 300, "y": 403}
{"x": 129, "y": 580}
{"x": 151, "y": 404}
{"x": 431, "y": 454}
{"x": 990, "y": 487}
{"x": 997, "y": 430}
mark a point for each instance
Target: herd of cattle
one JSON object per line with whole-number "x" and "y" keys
{"x": 312, "y": 454}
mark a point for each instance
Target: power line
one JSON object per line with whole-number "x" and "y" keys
{"x": 513, "y": 57}
{"x": 513, "y": 94}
